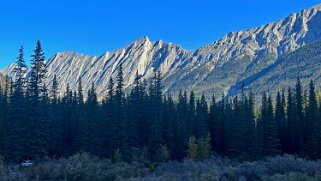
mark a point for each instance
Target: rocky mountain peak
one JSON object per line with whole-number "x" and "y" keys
{"x": 213, "y": 68}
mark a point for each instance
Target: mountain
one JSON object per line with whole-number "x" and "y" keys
{"x": 304, "y": 62}
{"x": 216, "y": 68}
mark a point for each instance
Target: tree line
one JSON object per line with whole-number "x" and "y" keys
{"x": 36, "y": 122}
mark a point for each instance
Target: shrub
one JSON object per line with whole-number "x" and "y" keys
{"x": 192, "y": 148}
{"x": 283, "y": 168}
{"x": 204, "y": 147}
{"x": 165, "y": 154}
{"x": 199, "y": 148}
{"x": 118, "y": 156}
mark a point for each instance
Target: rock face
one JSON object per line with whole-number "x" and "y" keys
{"x": 215, "y": 68}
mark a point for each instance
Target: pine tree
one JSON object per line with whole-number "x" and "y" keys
{"x": 292, "y": 123}
{"x": 168, "y": 120}
{"x": 280, "y": 120}
{"x": 216, "y": 126}
{"x": 134, "y": 113}
{"x": 250, "y": 144}
{"x": 91, "y": 137}
{"x": 301, "y": 125}
{"x": 191, "y": 122}
{"x": 156, "y": 100}
{"x": 181, "y": 125}
{"x": 312, "y": 111}
{"x": 235, "y": 134}
{"x": 80, "y": 94}
{"x": 109, "y": 120}
{"x": 36, "y": 137}
{"x": 201, "y": 116}
{"x": 16, "y": 122}
{"x": 19, "y": 73}
{"x": 270, "y": 137}
{"x": 54, "y": 91}
{"x": 55, "y": 142}
{"x": 120, "y": 140}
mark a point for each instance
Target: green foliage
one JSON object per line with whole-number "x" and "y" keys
{"x": 192, "y": 148}
{"x": 165, "y": 153}
{"x": 118, "y": 156}
{"x": 204, "y": 147}
{"x": 199, "y": 149}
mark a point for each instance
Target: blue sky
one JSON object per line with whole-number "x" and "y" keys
{"x": 96, "y": 26}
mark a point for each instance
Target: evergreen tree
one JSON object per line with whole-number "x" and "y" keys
{"x": 135, "y": 113}
{"x": 19, "y": 73}
{"x": 168, "y": 126}
{"x": 16, "y": 122}
{"x": 156, "y": 100}
{"x": 120, "y": 139}
{"x": 312, "y": 123}
{"x": 201, "y": 117}
{"x": 301, "y": 125}
{"x": 250, "y": 144}
{"x": 280, "y": 119}
{"x": 54, "y": 91}
{"x": 216, "y": 126}
{"x": 109, "y": 121}
{"x": 270, "y": 137}
{"x": 292, "y": 123}
{"x": 181, "y": 125}
{"x": 36, "y": 136}
{"x": 91, "y": 137}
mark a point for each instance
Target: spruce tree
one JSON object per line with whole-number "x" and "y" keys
{"x": 312, "y": 123}
{"x": 16, "y": 122}
{"x": 109, "y": 121}
{"x": 270, "y": 136}
{"x": 299, "y": 116}
{"x": 36, "y": 136}
{"x": 201, "y": 117}
{"x": 280, "y": 120}
{"x": 156, "y": 100}
{"x": 91, "y": 137}
{"x": 291, "y": 122}
{"x": 120, "y": 139}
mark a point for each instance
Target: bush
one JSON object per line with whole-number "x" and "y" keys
{"x": 192, "y": 148}
{"x": 81, "y": 167}
{"x": 199, "y": 148}
{"x": 285, "y": 168}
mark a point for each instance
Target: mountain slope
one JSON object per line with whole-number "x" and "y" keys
{"x": 304, "y": 63}
{"x": 214, "y": 68}
{"x": 240, "y": 55}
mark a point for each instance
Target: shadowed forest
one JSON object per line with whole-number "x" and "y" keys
{"x": 146, "y": 127}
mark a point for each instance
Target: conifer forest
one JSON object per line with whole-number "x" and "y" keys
{"x": 40, "y": 121}
{"x": 36, "y": 122}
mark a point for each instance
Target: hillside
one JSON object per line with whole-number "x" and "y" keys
{"x": 304, "y": 63}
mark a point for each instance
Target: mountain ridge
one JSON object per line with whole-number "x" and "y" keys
{"x": 212, "y": 68}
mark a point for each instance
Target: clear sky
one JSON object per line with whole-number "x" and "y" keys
{"x": 96, "y": 26}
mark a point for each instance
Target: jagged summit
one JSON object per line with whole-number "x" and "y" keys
{"x": 213, "y": 68}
